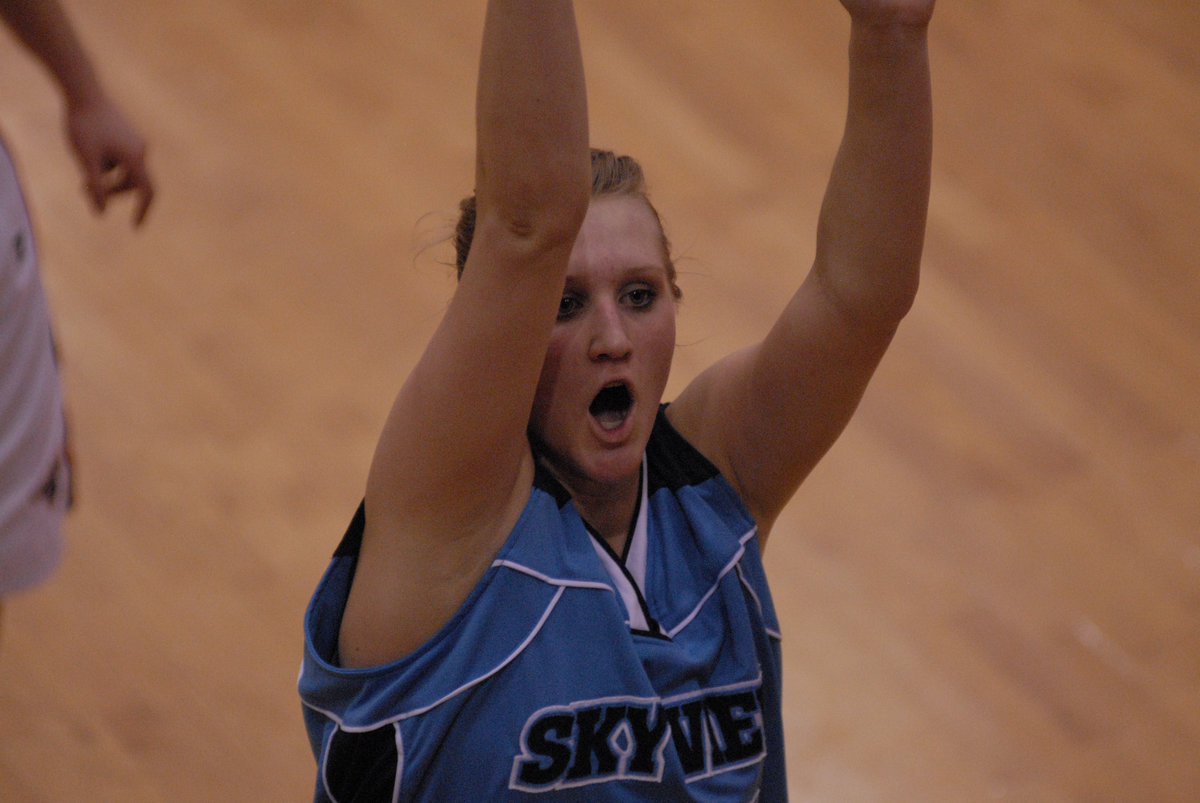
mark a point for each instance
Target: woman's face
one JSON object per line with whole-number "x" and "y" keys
{"x": 609, "y": 356}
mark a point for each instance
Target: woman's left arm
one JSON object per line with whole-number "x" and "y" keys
{"x": 767, "y": 414}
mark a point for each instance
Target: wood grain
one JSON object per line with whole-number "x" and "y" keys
{"x": 989, "y": 589}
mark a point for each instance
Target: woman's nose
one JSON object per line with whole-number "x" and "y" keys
{"x": 610, "y": 340}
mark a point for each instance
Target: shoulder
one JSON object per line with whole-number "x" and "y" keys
{"x": 700, "y": 487}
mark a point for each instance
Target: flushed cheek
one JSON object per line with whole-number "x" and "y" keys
{"x": 663, "y": 351}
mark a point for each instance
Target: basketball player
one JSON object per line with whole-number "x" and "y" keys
{"x": 554, "y": 585}
{"x": 35, "y": 476}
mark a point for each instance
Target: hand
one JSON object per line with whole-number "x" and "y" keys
{"x": 111, "y": 153}
{"x": 890, "y": 12}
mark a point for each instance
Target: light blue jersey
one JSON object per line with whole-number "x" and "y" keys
{"x": 571, "y": 673}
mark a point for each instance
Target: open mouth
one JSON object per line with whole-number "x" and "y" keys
{"x": 611, "y": 406}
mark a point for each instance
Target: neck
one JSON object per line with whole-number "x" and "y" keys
{"x": 612, "y": 521}
{"x": 607, "y": 508}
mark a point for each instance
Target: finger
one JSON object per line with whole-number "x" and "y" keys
{"x": 138, "y": 180}
{"x": 94, "y": 186}
{"x": 121, "y": 176}
{"x": 145, "y": 196}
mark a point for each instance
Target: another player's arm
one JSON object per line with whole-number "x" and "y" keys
{"x": 767, "y": 414}
{"x": 44, "y": 29}
{"x": 109, "y": 149}
{"x": 452, "y": 469}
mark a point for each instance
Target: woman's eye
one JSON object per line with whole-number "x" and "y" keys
{"x": 641, "y": 297}
{"x": 567, "y": 307}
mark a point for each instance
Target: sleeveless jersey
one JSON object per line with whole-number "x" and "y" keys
{"x": 571, "y": 673}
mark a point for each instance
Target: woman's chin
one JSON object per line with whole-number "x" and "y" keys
{"x": 594, "y": 470}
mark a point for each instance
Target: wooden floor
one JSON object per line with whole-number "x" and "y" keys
{"x": 990, "y": 589}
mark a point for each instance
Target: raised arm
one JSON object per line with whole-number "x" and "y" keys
{"x": 453, "y": 469}
{"x": 767, "y": 414}
{"x": 872, "y": 225}
{"x": 110, "y": 151}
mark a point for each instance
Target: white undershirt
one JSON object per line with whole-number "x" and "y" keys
{"x": 635, "y": 563}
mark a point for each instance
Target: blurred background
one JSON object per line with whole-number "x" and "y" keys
{"x": 990, "y": 588}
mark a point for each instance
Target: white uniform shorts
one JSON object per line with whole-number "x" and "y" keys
{"x": 34, "y": 467}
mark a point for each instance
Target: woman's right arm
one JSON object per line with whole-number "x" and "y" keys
{"x": 452, "y": 469}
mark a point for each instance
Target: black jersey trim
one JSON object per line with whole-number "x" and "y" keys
{"x": 351, "y": 542}
{"x": 674, "y": 462}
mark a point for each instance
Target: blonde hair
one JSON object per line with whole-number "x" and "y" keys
{"x": 611, "y": 175}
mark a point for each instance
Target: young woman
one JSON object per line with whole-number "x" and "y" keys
{"x": 554, "y": 583}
